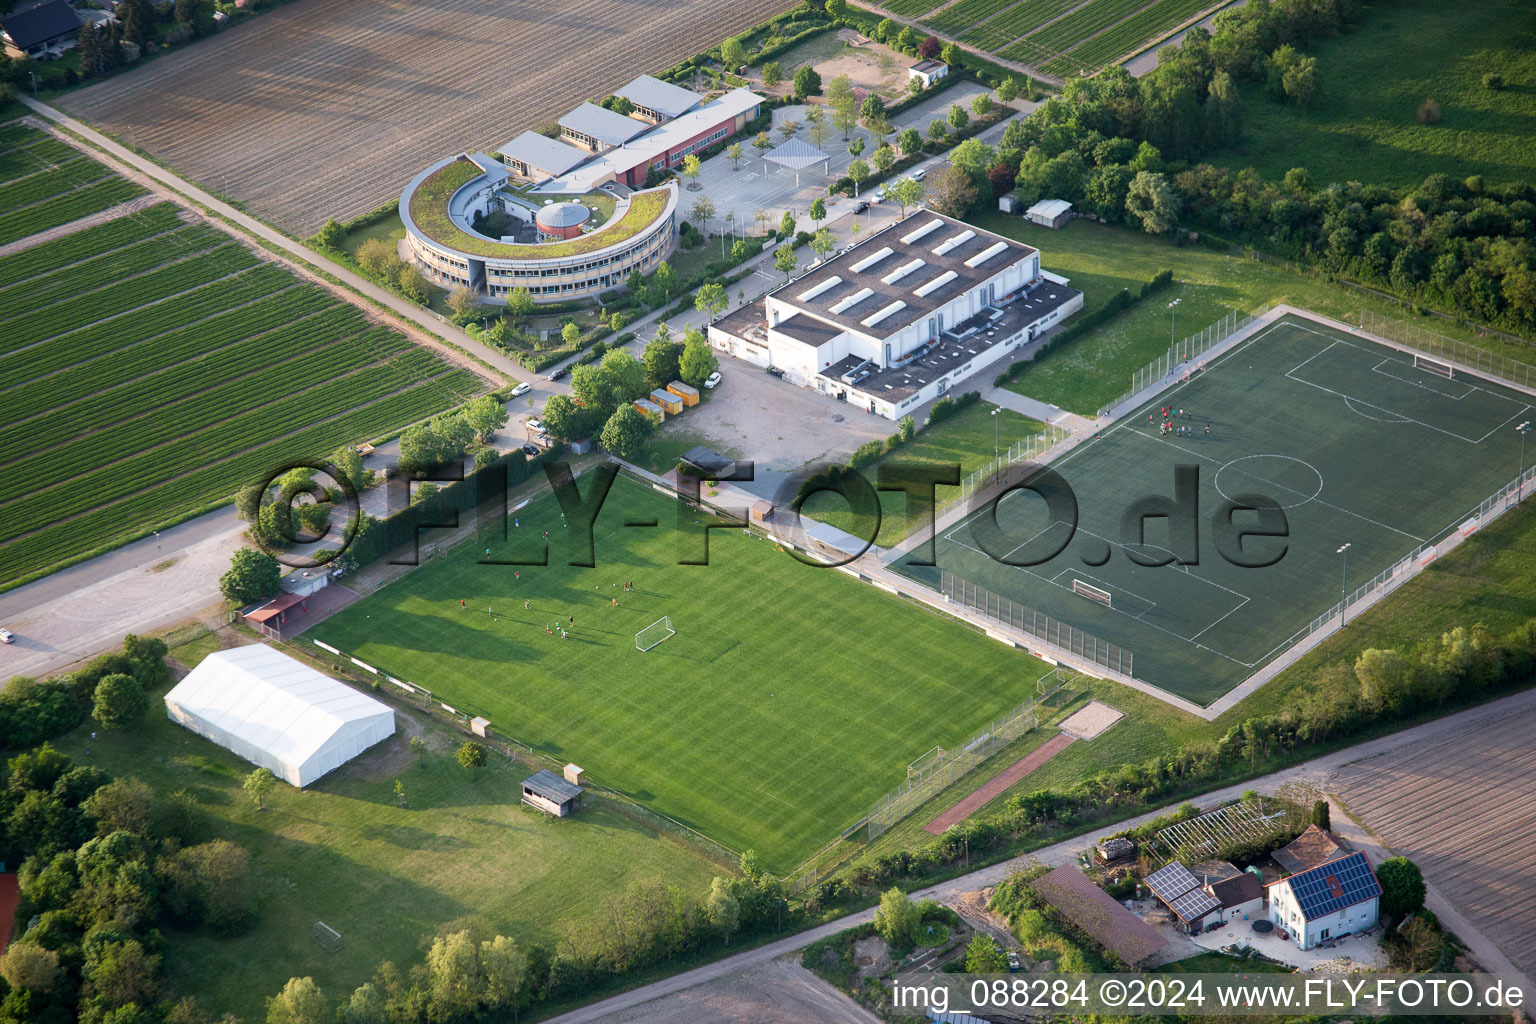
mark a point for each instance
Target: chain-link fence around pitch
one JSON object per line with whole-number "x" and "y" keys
{"x": 1449, "y": 350}
{"x": 1037, "y": 624}
{"x": 1029, "y": 449}
{"x": 939, "y": 769}
{"x": 1168, "y": 367}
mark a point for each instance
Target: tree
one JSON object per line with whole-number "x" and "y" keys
{"x": 711, "y": 299}
{"x": 822, "y": 243}
{"x": 626, "y": 431}
{"x": 519, "y": 303}
{"x": 1321, "y": 815}
{"x": 691, "y": 167}
{"x": 886, "y": 30}
{"x": 884, "y": 159}
{"x": 721, "y": 908}
{"x": 411, "y": 284}
{"x": 773, "y": 74}
{"x": 873, "y": 108}
{"x": 785, "y": 260}
{"x": 455, "y": 981}
{"x": 505, "y": 969}
{"x": 698, "y": 360}
{"x": 732, "y": 54}
{"x": 1387, "y": 680}
{"x": 300, "y": 1002}
{"x": 807, "y": 82}
{"x": 196, "y": 16}
{"x": 937, "y": 129}
{"x": 375, "y": 256}
{"x": 820, "y": 130}
{"x": 138, "y": 21}
{"x": 660, "y": 359}
{"x": 252, "y": 576}
{"x": 258, "y": 784}
{"x": 762, "y": 143}
{"x": 122, "y": 805}
{"x": 1008, "y": 89}
{"x": 973, "y": 157}
{"x": 910, "y": 141}
{"x": 623, "y": 375}
{"x": 906, "y": 191}
{"x": 119, "y": 702}
{"x": 470, "y": 755}
{"x": 733, "y": 151}
{"x": 29, "y": 966}
{"x": 1152, "y": 203}
{"x": 365, "y": 1006}
{"x": 950, "y": 54}
{"x": 787, "y": 225}
{"x": 818, "y": 212}
{"x": 858, "y": 171}
{"x": 954, "y": 193}
{"x": 897, "y": 918}
{"x": 1402, "y": 887}
{"x": 464, "y": 304}
{"x": 982, "y": 104}
{"x": 985, "y": 956}
{"x": 331, "y": 234}
{"x": 957, "y": 117}
{"x": 906, "y": 40}
{"x": 856, "y": 147}
{"x": 485, "y": 415}
{"x": 664, "y": 279}
{"x": 211, "y": 883}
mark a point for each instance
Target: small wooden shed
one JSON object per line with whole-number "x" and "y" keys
{"x": 667, "y": 400}
{"x": 650, "y": 408}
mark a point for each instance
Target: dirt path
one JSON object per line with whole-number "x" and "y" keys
{"x": 1005, "y": 778}
{"x": 90, "y": 221}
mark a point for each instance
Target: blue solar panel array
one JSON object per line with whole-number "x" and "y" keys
{"x": 1333, "y": 886}
{"x": 1171, "y": 881}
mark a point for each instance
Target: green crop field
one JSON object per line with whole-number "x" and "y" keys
{"x": 148, "y": 368}
{"x": 790, "y": 698}
{"x": 1114, "y": 43}
{"x": 961, "y": 16}
{"x": 912, "y": 8}
{"x": 1374, "y": 79}
{"x": 1023, "y": 18}
{"x": 1348, "y": 437}
{"x": 44, "y": 183}
{"x": 343, "y": 851}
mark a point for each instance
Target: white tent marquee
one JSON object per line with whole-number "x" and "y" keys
{"x": 278, "y": 713}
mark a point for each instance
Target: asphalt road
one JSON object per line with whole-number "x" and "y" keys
{"x": 1316, "y": 771}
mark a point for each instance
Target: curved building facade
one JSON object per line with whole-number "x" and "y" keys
{"x": 555, "y": 251}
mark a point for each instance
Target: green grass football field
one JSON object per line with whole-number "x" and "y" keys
{"x": 1354, "y": 443}
{"x": 789, "y": 699}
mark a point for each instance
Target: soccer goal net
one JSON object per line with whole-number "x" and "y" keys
{"x": 654, "y": 634}
{"x": 328, "y": 937}
{"x": 1091, "y": 592}
{"x": 1439, "y": 366}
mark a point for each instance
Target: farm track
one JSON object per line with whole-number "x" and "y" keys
{"x": 326, "y": 110}
{"x": 1462, "y": 807}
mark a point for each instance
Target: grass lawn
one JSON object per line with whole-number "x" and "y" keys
{"x": 774, "y": 717}
{"x": 967, "y": 438}
{"x": 384, "y": 876}
{"x": 674, "y": 438}
{"x": 1374, "y": 79}
{"x": 1100, "y": 260}
{"x": 1221, "y": 963}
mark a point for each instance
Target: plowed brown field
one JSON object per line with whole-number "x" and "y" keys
{"x": 326, "y": 108}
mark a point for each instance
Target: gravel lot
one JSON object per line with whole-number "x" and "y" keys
{"x": 320, "y": 110}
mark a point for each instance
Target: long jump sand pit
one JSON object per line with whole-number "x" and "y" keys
{"x": 1091, "y": 720}
{"x": 319, "y": 110}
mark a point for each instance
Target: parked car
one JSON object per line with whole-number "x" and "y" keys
{"x": 7, "y": 637}
{"x": 713, "y": 380}
{"x": 530, "y": 450}
{"x": 918, "y": 175}
{"x": 776, "y": 371}
{"x": 1014, "y": 965}
{"x": 560, "y": 373}
{"x": 862, "y": 207}
{"x": 535, "y": 426}
{"x": 522, "y": 389}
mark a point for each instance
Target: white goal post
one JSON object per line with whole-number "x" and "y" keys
{"x": 1439, "y": 366}
{"x": 328, "y": 937}
{"x": 1091, "y": 592}
{"x": 654, "y": 634}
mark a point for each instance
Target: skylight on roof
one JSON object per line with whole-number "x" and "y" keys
{"x": 922, "y": 232}
{"x": 934, "y": 285}
{"x": 853, "y": 300}
{"x": 873, "y": 258}
{"x": 902, "y": 271}
{"x": 986, "y": 254}
{"x": 952, "y": 243}
{"x": 883, "y": 314}
{"x": 815, "y": 290}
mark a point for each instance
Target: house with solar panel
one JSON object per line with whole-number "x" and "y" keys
{"x": 904, "y": 316}
{"x": 1327, "y": 902}
{"x": 1176, "y": 888}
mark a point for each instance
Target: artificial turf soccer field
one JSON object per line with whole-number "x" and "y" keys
{"x": 790, "y": 699}
{"x": 1357, "y": 445}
